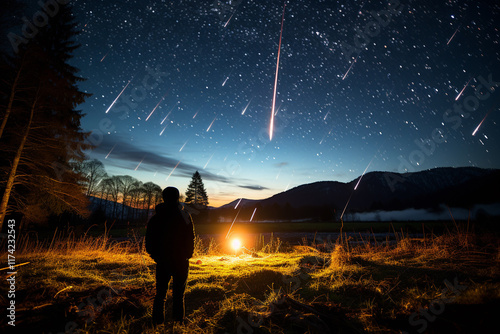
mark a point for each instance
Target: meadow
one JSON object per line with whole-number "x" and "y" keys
{"x": 446, "y": 282}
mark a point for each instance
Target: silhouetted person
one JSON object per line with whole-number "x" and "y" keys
{"x": 170, "y": 242}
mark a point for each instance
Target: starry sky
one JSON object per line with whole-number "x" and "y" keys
{"x": 180, "y": 86}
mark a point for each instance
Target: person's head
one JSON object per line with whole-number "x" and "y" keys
{"x": 170, "y": 195}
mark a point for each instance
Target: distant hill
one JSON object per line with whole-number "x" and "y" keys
{"x": 462, "y": 187}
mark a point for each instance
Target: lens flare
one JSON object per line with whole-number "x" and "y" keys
{"x": 236, "y": 244}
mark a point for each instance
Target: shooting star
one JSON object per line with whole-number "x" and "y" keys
{"x": 324, "y": 118}
{"x": 227, "y": 78}
{"x": 163, "y": 97}
{"x": 238, "y": 203}
{"x": 230, "y": 227}
{"x": 477, "y": 128}
{"x": 163, "y": 129}
{"x": 225, "y": 25}
{"x": 104, "y": 56}
{"x": 196, "y": 114}
{"x": 342, "y": 215}
{"x": 345, "y": 75}
{"x": 357, "y": 184}
{"x": 271, "y": 123}
{"x": 460, "y": 94}
{"x": 183, "y": 145}
{"x": 244, "y": 110}
{"x": 253, "y": 214}
{"x": 208, "y": 129}
{"x": 453, "y": 34}
{"x": 112, "y": 104}
{"x": 139, "y": 163}
{"x": 110, "y": 151}
{"x": 208, "y": 160}
{"x": 172, "y": 171}
{"x": 168, "y": 114}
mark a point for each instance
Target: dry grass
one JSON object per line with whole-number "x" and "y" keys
{"x": 102, "y": 286}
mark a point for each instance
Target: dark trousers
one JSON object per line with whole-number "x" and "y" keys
{"x": 164, "y": 272}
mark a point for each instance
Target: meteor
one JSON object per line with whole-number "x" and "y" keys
{"x": 357, "y": 184}
{"x": 244, "y": 110}
{"x": 208, "y": 160}
{"x": 104, "y": 56}
{"x": 139, "y": 163}
{"x": 225, "y": 25}
{"x": 230, "y": 227}
{"x": 183, "y": 145}
{"x": 156, "y": 106}
{"x": 453, "y": 34}
{"x": 110, "y": 151}
{"x": 460, "y": 94}
{"x": 345, "y": 75}
{"x": 477, "y": 128}
{"x": 163, "y": 129}
{"x": 271, "y": 124}
{"x": 238, "y": 203}
{"x": 208, "y": 129}
{"x": 112, "y": 104}
{"x": 172, "y": 171}
{"x": 253, "y": 214}
{"x": 227, "y": 78}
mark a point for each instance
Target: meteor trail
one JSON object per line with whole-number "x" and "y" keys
{"x": 183, "y": 145}
{"x": 345, "y": 75}
{"x": 172, "y": 171}
{"x": 139, "y": 163}
{"x": 477, "y": 128}
{"x": 225, "y": 25}
{"x": 163, "y": 129}
{"x": 453, "y": 34}
{"x": 110, "y": 151}
{"x": 356, "y": 187}
{"x": 238, "y": 203}
{"x": 244, "y": 110}
{"x": 460, "y": 94}
{"x": 208, "y": 160}
{"x": 104, "y": 56}
{"x": 112, "y": 104}
{"x": 227, "y": 235}
{"x": 253, "y": 214}
{"x": 168, "y": 113}
{"x": 156, "y": 106}
{"x": 271, "y": 124}
{"x": 208, "y": 129}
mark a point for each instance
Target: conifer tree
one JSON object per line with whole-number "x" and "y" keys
{"x": 42, "y": 138}
{"x": 196, "y": 193}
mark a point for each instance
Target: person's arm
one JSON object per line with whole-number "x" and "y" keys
{"x": 150, "y": 237}
{"x": 190, "y": 238}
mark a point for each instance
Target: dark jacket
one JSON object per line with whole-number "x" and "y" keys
{"x": 170, "y": 234}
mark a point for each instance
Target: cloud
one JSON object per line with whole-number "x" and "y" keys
{"x": 253, "y": 187}
{"x": 281, "y": 164}
{"x": 126, "y": 155}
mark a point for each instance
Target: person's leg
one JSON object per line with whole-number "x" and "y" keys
{"x": 163, "y": 275}
{"x": 180, "y": 279}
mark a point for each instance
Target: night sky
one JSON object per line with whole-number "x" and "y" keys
{"x": 362, "y": 85}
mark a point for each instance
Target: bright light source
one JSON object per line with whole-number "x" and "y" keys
{"x": 236, "y": 244}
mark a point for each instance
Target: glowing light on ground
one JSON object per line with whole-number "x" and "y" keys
{"x": 236, "y": 244}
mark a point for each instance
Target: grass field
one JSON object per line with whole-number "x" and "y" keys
{"x": 437, "y": 284}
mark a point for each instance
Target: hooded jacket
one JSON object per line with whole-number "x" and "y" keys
{"x": 170, "y": 234}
